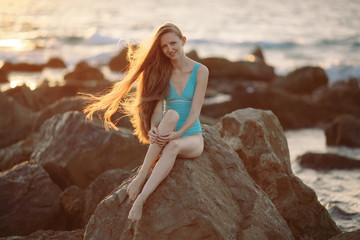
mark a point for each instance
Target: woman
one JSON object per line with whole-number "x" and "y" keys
{"x": 164, "y": 110}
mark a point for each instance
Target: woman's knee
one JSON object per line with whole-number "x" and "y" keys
{"x": 169, "y": 121}
{"x": 172, "y": 147}
{"x": 172, "y": 115}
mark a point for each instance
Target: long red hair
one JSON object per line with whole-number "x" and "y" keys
{"x": 151, "y": 70}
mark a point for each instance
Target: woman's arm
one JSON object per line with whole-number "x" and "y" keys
{"x": 197, "y": 103}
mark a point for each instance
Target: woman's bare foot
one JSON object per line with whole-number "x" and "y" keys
{"x": 134, "y": 188}
{"x": 135, "y": 212}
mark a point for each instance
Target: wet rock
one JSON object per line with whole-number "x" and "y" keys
{"x": 193, "y": 55}
{"x": 29, "y": 201}
{"x": 327, "y": 161}
{"x": 50, "y": 235}
{"x": 304, "y": 80}
{"x": 84, "y": 72}
{"x": 55, "y": 63}
{"x": 17, "y": 153}
{"x": 343, "y": 131}
{"x": 210, "y": 197}
{"x": 74, "y": 151}
{"x": 72, "y": 200}
{"x": 223, "y": 68}
{"x": 15, "y": 125}
{"x": 259, "y": 140}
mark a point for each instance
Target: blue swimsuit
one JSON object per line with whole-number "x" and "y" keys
{"x": 182, "y": 104}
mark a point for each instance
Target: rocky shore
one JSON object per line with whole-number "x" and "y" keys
{"x": 64, "y": 177}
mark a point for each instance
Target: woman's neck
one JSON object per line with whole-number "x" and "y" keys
{"x": 180, "y": 64}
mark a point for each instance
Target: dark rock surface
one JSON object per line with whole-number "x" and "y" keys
{"x": 22, "y": 67}
{"x": 17, "y": 153}
{"x": 72, "y": 200}
{"x": 15, "y": 125}
{"x": 344, "y": 131}
{"x": 50, "y": 235}
{"x": 327, "y": 161}
{"x": 29, "y": 201}
{"x": 304, "y": 80}
{"x": 223, "y": 68}
{"x": 347, "y": 236}
{"x": 119, "y": 62}
{"x": 210, "y": 197}
{"x": 55, "y": 63}
{"x": 259, "y": 140}
{"x": 83, "y": 72}
{"x": 74, "y": 151}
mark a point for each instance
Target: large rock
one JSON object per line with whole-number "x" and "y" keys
{"x": 22, "y": 67}
{"x": 259, "y": 140}
{"x": 84, "y": 72}
{"x": 50, "y": 235}
{"x": 41, "y": 97}
{"x": 210, "y": 197}
{"x": 15, "y": 121}
{"x": 347, "y": 236}
{"x": 304, "y": 80}
{"x": 119, "y": 62}
{"x": 75, "y": 151}
{"x": 79, "y": 204}
{"x": 223, "y": 68}
{"x": 327, "y": 161}
{"x": 17, "y": 153}
{"x": 103, "y": 185}
{"x": 343, "y": 131}
{"x": 55, "y": 63}
{"x": 29, "y": 201}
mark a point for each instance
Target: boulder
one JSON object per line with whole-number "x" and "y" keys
{"x": 55, "y": 63}
{"x": 327, "y": 161}
{"x": 15, "y": 125}
{"x": 3, "y": 76}
{"x": 79, "y": 204}
{"x": 17, "y": 153}
{"x": 103, "y": 185}
{"x": 72, "y": 200}
{"x": 50, "y": 235}
{"x": 347, "y": 236}
{"x": 22, "y": 67}
{"x": 210, "y": 197}
{"x": 74, "y": 151}
{"x": 41, "y": 97}
{"x": 258, "y": 138}
{"x": 343, "y": 131}
{"x": 304, "y": 80}
{"x": 342, "y": 94}
{"x": 29, "y": 201}
{"x": 223, "y": 68}
{"x": 84, "y": 72}
{"x": 259, "y": 56}
{"x": 119, "y": 63}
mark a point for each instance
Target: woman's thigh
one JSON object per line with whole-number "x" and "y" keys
{"x": 190, "y": 146}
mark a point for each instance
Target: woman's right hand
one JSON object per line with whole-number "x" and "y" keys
{"x": 153, "y": 134}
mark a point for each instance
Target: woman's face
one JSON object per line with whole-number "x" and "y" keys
{"x": 171, "y": 45}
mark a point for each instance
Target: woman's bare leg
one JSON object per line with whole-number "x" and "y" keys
{"x": 167, "y": 124}
{"x": 187, "y": 147}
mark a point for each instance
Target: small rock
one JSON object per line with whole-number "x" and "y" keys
{"x": 344, "y": 131}
{"x": 327, "y": 161}
{"x": 84, "y": 72}
{"x": 55, "y": 63}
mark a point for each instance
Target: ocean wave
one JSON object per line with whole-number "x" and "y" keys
{"x": 338, "y": 212}
{"x": 263, "y": 44}
{"x": 342, "y": 71}
{"x": 350, "y": 40}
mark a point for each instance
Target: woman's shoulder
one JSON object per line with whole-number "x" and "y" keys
{"x": 203, "y": 70}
